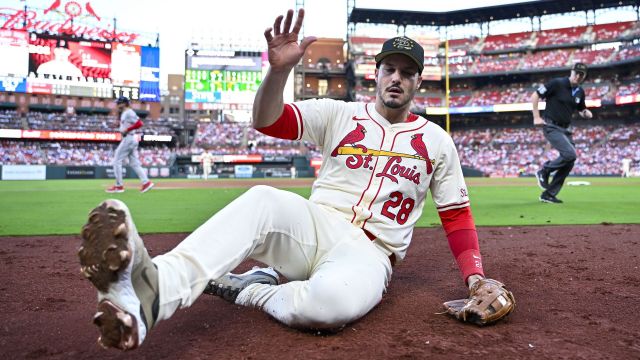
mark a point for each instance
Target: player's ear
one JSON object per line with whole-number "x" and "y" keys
{"x": 375, "y": 73}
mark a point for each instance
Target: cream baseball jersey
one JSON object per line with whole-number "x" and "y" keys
{"x": 127, "y": 119}
{"x": 376, "y": 173}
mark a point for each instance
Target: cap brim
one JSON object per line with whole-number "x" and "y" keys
{"x": 383, "y": 55}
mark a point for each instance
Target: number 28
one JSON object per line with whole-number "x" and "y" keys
{"x": 396, "y": 199}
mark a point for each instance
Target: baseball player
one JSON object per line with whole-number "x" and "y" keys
{"x": 128, "y": 148}
{"x": 563, "y": 96}
{"x": 626, "y": 167}
{"x": 207, "y": 160}
{"x": 337, "y": 248}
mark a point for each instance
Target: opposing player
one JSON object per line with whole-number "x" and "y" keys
{"x": 128, "y": 148}
{"x": 626, "y": 167}
{"x": 563, "y": 96}
{"x": 207, "y": 160}
{"x": 337, "y": 248}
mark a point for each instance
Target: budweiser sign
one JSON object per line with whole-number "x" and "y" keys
{"x": 62, "y": 19}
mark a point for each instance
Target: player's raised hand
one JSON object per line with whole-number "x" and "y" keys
{"x": 284, "y": 50}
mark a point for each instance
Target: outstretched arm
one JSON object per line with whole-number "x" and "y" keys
{"x": 537, "y": 120}
{"x": 284, "y": 53}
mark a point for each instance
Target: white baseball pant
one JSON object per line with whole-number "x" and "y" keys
{"x": 336, "y": 273}
{"x": 206, "y": 170}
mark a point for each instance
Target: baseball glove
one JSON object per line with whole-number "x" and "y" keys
{"x": 488, "y": 302}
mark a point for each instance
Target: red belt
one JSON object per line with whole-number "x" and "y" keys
{"x": 392, "y": 257}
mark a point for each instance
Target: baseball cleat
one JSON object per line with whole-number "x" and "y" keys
{"x": 113, "y": 257}
{"x": 146, "y": 187}
{"x": 543, "y": 179}
{"x": 115, "y": 189}
{"x": 229, "y": 286}
{"x": 548, "y": 198}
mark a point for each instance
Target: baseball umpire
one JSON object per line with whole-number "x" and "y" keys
{"x": 563, "y": 95}
{"x": 337, "y": 248}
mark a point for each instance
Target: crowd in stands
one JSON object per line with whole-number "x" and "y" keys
{"x": 546, "y": 59}
{"x": 506, "y": 41}
{"x": 521, "y": 151}
{"x": 240, "y": 138}
{"x": 494, "y": 151}
{"x": 561, "y": 36}
{"x": 92, "y": 123}
{"x": 595, "y": 89}
{"x": 80, "y": 122}
{"x": 16, "y": 152}
{"x": 628, "y": 52}
{"x": 9, "y": 119}
{"x": 548, "y": 38}
{"x": 631, "y": 88}
{"x": 553, "y": 37}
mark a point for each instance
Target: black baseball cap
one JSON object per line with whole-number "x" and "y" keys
{"x": 580, "y": 67}
{"x": 402, "y": 45}
{"x": 122, "y": 100}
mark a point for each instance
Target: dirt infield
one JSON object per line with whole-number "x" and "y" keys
{"x": 575, "y": 289}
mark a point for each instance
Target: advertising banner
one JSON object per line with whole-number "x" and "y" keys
{"x": 14, "y": 47}
{"x": 24, "y": 172}
{"x": 126, "y": 64}
{"x": 150, "y": 74}
{"x": 80, "y": 172}
{"x": 243, "y": 171}
{"x": 13, "y": 84}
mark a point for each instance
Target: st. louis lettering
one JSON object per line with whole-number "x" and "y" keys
{"x": 357, "y": 161}
{"x": 393, "y": 168}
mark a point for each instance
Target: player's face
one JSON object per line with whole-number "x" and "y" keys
{"x": 577, "y": 77}
{"x": 121, "y": 106}
{"x": 397, "y": 81}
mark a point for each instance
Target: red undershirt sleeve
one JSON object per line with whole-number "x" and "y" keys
{"x": 137, "y": 125}
{"x": 286, "y": 127}
{"x": 463, "y": 240}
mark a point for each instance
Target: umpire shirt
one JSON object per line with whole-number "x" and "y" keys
{"x": 561, "y": 101}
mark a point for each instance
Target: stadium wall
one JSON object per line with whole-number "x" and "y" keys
{"x": 300, "y": 167}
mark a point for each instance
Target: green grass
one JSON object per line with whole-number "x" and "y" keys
{"x": 61, "y": 206}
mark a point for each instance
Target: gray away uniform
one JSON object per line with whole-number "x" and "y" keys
{"x": 128, "y": 148}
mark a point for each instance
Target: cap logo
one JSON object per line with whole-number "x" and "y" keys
{"x": 403, "y": 43}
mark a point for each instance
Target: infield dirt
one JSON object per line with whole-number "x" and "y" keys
{"x": 575, "y": 286}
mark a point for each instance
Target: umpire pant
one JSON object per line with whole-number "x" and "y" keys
{"x": 560, "y": 139}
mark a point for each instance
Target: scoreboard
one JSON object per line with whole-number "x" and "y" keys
{"x": 222, "y": 86}
{"x": 227, "y": 78}
{"x": 53, "y": 64}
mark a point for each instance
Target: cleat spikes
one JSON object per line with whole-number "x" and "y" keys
{"x": 94, "y": 217}
{"x": 121, "y": 230}
{"x": 102, "y": 344}
{"x": 125, "y": 319}
{"x": 85, "y": 233}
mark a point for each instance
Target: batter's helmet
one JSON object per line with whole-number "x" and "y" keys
{"x": 122, "y": 100}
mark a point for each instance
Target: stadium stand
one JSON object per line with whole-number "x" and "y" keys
{"x": 569, "y": 35}
{"x": 507, "y": 41}
{"x": 497, "y": 69}
{"x": 520, "y": 151}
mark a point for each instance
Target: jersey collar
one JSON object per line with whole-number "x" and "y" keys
{"x": 411, "y": 120}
